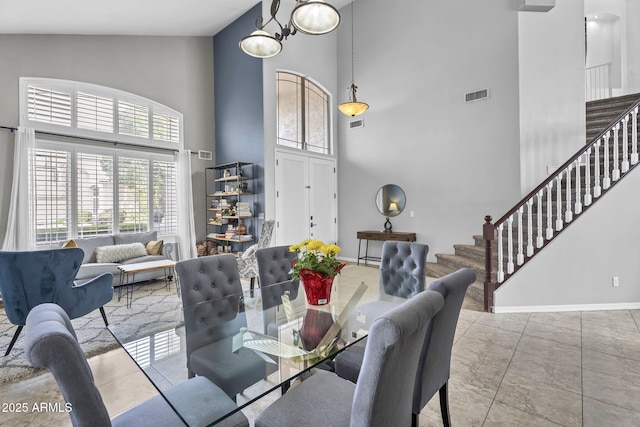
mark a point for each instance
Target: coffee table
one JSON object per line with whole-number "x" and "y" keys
{"x": 128, "y": 271}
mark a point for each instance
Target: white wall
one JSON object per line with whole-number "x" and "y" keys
{"x": 577, "y": 267}
{"x": 175, "y": 71}
{"x": 456, "y": 162}
{"x": 552, "y": 101}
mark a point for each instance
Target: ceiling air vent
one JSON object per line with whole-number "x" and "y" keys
{"x": 356, "y": 124}
{"x": 476, "y": 96}
{"x": 205, "y": 155}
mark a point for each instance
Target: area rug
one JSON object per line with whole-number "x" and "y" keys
{"x": 149, "y": 300}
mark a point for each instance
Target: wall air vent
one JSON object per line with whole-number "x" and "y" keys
{"x": 205, "y": 155}
{"x": 356, "y": 124}
{"x": 476, "y": 96}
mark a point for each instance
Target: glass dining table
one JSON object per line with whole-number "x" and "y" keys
{"x": 281, "y": 335}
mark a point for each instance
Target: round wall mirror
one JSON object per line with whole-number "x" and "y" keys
{"x": 390, "y": 201}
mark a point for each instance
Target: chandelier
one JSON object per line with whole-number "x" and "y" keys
{"x": 314, "y": 17}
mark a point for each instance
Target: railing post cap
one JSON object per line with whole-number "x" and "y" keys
{"x": 488, "y": 218}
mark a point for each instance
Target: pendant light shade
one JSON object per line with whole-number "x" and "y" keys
{"x": 353, "y": 107}
{"x": 260, "y": 44}
{"x": 315, "y": 17}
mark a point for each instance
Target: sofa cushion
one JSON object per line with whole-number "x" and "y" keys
{"x": 145, "y": 258}
{"x": 117, "y": 253}
{"x": 93, "y": 269}
{"x": 154, "y": 247}
{"x": 144, "y": 238}
{"x": 69, "y": 244}
{"x": 89, "y": 246}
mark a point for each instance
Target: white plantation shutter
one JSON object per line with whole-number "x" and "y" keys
{"x": 52, "y": 202}
{"x": 81, "y": 109}
{"x": 133, "y": 194}
{"x": 165, "y": 198}
{"x": 133, "y": 119}
{"x": 166, "y": 127}
{"x": 94, "y": 194}
{"x": 94, "y": 112}
{"x": 49, "y": 106}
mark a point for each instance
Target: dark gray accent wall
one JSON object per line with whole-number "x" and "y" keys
{"x": 239, "y": 112}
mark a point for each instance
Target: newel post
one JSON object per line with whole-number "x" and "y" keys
{"x": 488, "y": 234}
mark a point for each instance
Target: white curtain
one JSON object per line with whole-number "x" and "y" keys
{"x": 20, "y": 235}
{"x": 186, "y": 222}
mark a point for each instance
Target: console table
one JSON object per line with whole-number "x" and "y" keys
{"x": 380, "y": 235}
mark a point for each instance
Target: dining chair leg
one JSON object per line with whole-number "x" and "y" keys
{"x": 104, "y": 316}
{"x": 444, "y": 405}
{"x": 14, "y": 339}
{"x": 415, "y": 420}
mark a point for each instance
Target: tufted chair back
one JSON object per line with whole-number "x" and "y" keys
{"x": 404, "y": 257}
{"x": 212, "y": 299}
{"x": 274, "y": 271}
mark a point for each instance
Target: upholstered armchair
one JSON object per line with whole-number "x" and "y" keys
{"x": 247, "y": 265}
{"x": 30, "y": 278}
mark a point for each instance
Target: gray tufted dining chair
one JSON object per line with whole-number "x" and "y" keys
{"x": 383, "y": 394}
{"x": 213, "y": 314}
{"x": 51, "y": 343}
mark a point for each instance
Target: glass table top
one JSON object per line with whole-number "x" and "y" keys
{"x": 250, "y": 346}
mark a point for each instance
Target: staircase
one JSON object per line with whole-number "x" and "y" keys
{"x": 599, "y": 115}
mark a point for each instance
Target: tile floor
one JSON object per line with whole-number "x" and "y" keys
{"x": 539, "y": 369}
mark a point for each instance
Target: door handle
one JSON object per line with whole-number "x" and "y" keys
{"x": 312, "y": 224}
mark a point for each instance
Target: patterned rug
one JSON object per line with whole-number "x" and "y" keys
{"x": 149, "y": 299}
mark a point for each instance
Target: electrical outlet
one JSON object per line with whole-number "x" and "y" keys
{"x": 411, "y": 214}
{"x": 615, "y": 281}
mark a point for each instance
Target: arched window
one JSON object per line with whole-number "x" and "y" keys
{"x": 303, "y": 114}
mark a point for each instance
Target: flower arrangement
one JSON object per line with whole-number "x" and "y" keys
{"x": 316, "y": 256}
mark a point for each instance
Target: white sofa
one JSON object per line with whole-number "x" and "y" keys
{"x": 90, "y": 268}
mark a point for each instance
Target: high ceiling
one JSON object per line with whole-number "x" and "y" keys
{"x": 128, "y": 17}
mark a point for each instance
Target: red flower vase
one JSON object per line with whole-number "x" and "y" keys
{"x": 317, "y": 287}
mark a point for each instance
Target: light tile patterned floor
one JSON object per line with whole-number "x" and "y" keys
{"x": 540, "y": 369}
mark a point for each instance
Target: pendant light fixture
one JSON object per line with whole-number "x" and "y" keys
{"x": 353, "y": 107}
{"x": 313, "y": 17}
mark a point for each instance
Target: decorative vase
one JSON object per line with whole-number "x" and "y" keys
{"x": 241, "y": 228}
{"x": 317, "y": 287}
{"x": 315, "y": 325}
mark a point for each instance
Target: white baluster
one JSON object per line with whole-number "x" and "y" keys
{"x": 578, "y": 205}
{"x": 587, "y": 184}
{"x": 606, "y": 181}
{"x": 597, "y": 188}
{"x": 539, "y": 239}
{"x": 549, "y": 211}
{"x": 559, "y": 203}
{"x": 530, "y": 227}
{"x": 568, "y": 214}
{"x": 615, "y": 174}
{"x": 625, "y": 145}
{"x": 634, "y": 136}
{"x": 500, "y": 273}
{"x": 510, "y": 265}
{"x": 520, "y": 255}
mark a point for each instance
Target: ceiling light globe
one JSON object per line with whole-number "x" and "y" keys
{"x": 353, "y": 108}
{"x": 260, "y": 44}
{"x": 315, "y": 17}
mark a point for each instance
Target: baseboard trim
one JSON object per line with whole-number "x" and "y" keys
{"x": 572, "y": 307}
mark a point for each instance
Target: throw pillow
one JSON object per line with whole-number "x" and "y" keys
{"x": 154, "y": 247}
{"x": 116, "y": 253}
{"x": 70, "y": 244}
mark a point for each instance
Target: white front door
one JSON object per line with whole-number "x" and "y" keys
{"x": 306, "y": 199}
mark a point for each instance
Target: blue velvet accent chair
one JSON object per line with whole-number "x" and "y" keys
{"x": 51, "y": 343}
{"x": 213, "y": 304}
{"x": 382, "y": 396}
{"x": 30, "y": 278}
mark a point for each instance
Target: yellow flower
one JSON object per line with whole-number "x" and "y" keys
{"x": 333, "y": 250}
{"x": 314, "y": 245}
